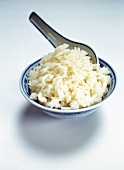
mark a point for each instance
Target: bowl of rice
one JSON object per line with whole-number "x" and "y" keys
{"x": 66, "y": 84}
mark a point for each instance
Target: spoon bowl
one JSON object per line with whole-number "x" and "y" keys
{"x": 57, "y": 39}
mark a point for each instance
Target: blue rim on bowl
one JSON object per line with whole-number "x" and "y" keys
{"x": 64, "y": 113}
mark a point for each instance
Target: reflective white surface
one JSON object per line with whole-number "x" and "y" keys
{"x": 33, "y": 140}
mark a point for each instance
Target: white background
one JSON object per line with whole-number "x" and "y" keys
{"x": 32, "y": 140}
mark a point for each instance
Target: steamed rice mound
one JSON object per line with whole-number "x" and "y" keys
{"x": 67, "y": 79}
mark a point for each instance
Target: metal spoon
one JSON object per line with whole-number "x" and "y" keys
{"x": 56, "y": 39}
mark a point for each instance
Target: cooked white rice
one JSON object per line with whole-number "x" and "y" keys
{"x": 67, "y": 79}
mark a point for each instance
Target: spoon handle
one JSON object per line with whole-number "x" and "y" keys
{"x": 49, "y": 33}
{"x": 57, "y": 39}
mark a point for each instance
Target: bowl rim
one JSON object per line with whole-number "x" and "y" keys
{"x": 65, "y": 110}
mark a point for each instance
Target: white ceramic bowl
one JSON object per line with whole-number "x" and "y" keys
{"x": 64, "y": 113}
